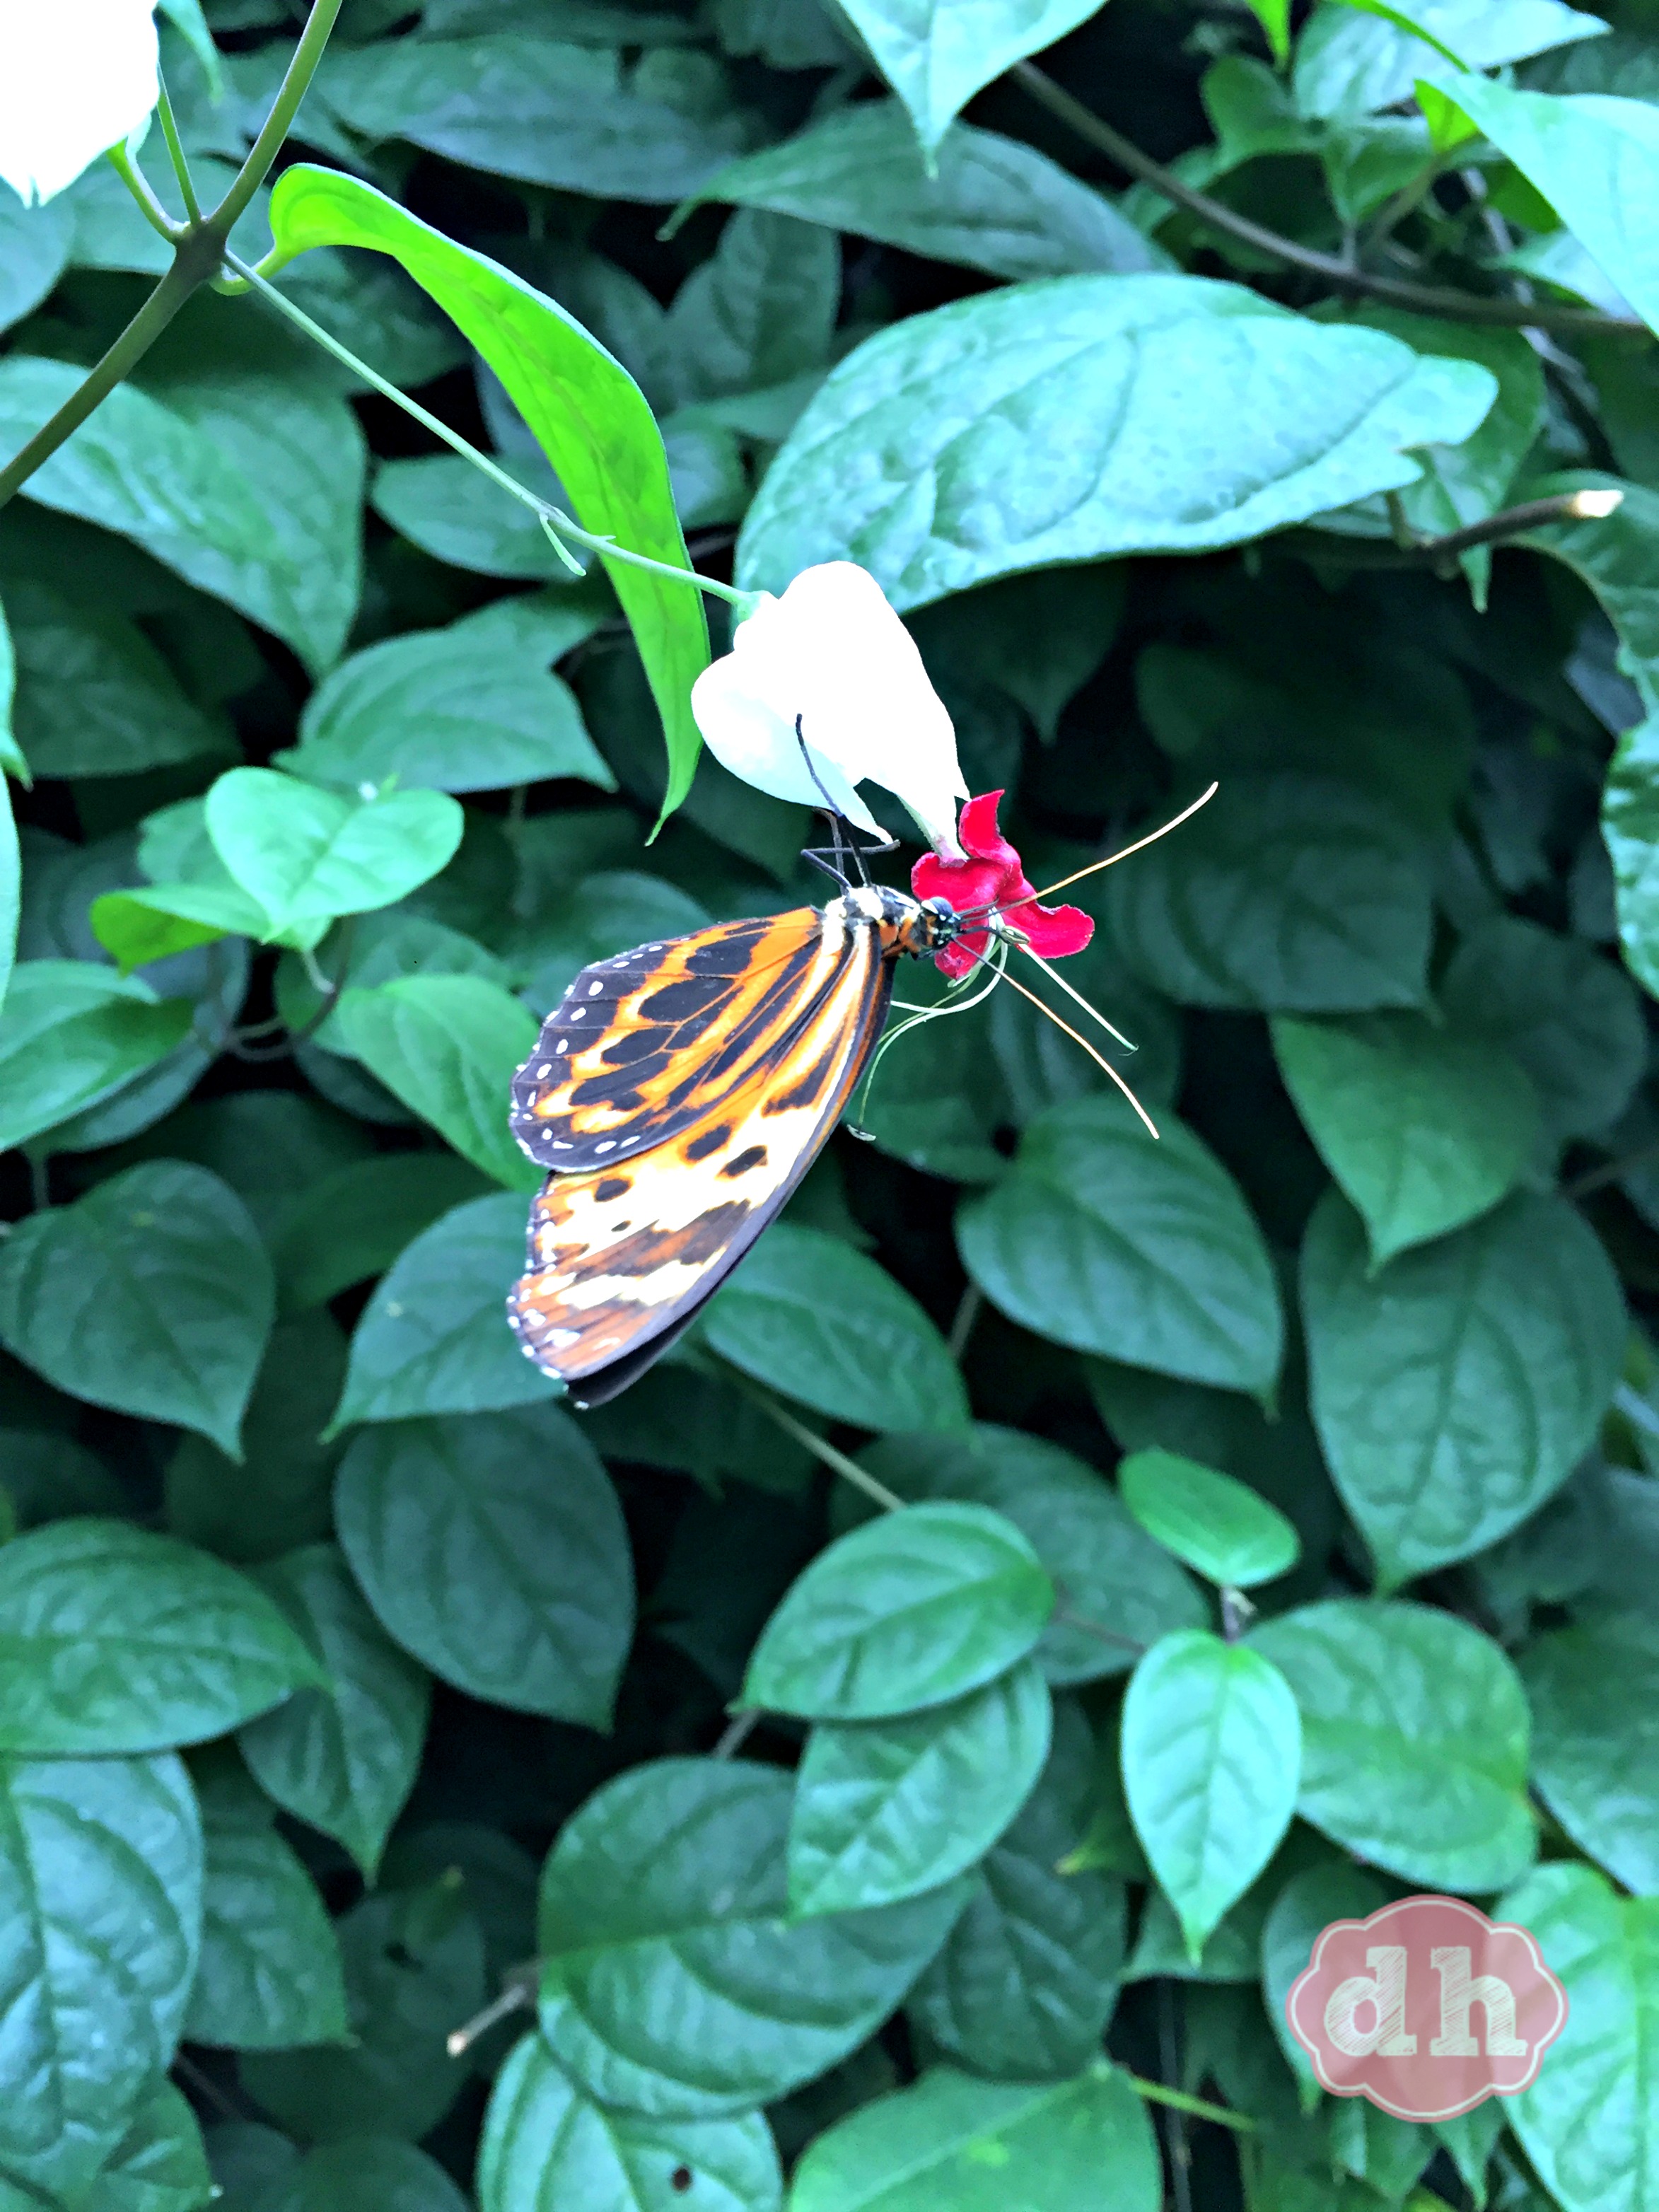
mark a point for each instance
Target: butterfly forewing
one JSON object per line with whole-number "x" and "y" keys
{"x": 622, "y": 1253}
{"x": 645, "y": 1045}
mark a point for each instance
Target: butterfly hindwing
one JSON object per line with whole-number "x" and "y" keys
{"x": 642, "y": 1046}
{"x": 622, "y": 1256}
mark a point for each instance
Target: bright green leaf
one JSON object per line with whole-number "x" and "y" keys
{"x": 1594, "y": 1694}
{"x": 1347, "y": 64}
{"x": 71, "y": 1033}
{"x": 936, "y": 58}
{"x": 448, "y": 1046}
{"x": 1219, "y": 1526}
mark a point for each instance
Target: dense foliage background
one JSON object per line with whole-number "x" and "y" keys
{"x": 326, "y": 1633}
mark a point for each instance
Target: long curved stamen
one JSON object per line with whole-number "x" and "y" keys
{"x": 1015, "y": 984}
{"x": 950, "y": 1005}
{"x": 1054, "y": 976}
{"x": 1095, "y": 866}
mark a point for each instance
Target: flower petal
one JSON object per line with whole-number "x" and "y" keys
{"x": 79, "y": 77}
{"x": 980, "y": 836}
{"x": 748, "y": 735}
{"x": 1054, "y": 931}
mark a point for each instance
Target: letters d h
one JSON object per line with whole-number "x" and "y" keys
{"x": 1427, "y": 2008}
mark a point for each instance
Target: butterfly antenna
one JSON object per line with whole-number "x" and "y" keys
{"x": 1094, "y": 1012}
{"x": 1111, "y": 859}
{"x": 1014, "y": 984}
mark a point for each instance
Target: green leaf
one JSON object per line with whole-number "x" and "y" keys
{"x": 1566, "y": 1014}
{"x": 596, "y": 918}
{"x": 1595, "y": 160}
{"x": 114, "y": 1640}
{"x": 369, "y": 2172}
{"x": 72, "y": 1033}
{"x": 1118, "y": 1592}
{"x": 1219, "y": 1526}
{"x": 1631, "y": 825}
{"x": 137, "y": 927}
{"x": 270, "y": 1971}
{"x": 152, "y": 1294}
{"x": 1595, "y": 1693}
{"x": 1615, "y": 554}
{"x": 1027, "y": 1979}
{"x": 761, "y": 310}
{"x": 1287, "y": 894}
{"x": 280, "y": 1497}
{"x": 379, "y": 949}
{"x": 1456, "y": 1389}
{"x": 414, "y": 1970}
{"x": 448, "y": 1046}
{"x": 829, "y": 1327}
{"x": 1098, "y": 458}
{"x": 307, "y": 856}
{"x": 546, "y": 2145}
{"x": 587, "y": 413}
{"x": 888, "y": 1809}
{"x": 1275, "y": 17}
{"x": 94, "y": 697}
{"x": 35, "y": 247}
{"x": 493, "y": 1548}
{"x": 468, "y": 708}
{"x": 1347, "y": 64}
{"x": 101, "y": 1896}
{"x": 911, "y": 1610}
{"x": 1587, "y": 2122}
{"x": 1304, "y": 1907}
{"x": 1100, "y": 1238}
{"x": 434, "y": 1338}
{"x": 452, "y": 510}
{"x": 1414, "y": 1740}
{"x": 341, "y": 1757}
{"x": 952, "y": 2140}
{"x": 1211, "y": 1754}
{"x": 160, "y": 2164}
{"x": 250, "y": 487}
{"x": 937, "y": 59}
{"x": 1424, "y": 1126}
{"x": 354, "y": 1223}
{"x": 529, "y": 107}
{"x": 674, "y": 1982}
{"x": 990, "y": 202}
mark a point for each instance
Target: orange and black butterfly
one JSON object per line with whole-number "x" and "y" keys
{"x": 677, "y": 1094}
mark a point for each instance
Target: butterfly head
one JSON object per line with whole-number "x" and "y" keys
{"x": 922, "y": 927}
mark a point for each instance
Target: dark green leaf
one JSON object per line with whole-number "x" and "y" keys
{"x": 151, "y": 1294}
{"x": 113, "y": 1640}
{"x": 1439, "y": 1795}
{"x": 911, "y": 1610}
{"x": 454, "y": 512}
{"x": 1118, "y": 1592}
{"x": 1454, "y": 1389}
{"x": 1348, "y": 64}
{"x": 1595, "y": 1693}
{"x": 991, "y": 204}
{"x": 449, "y": 1046}
{"x": 71, "y": 1034}
{"x": 1028, "y": 1977}
{"x": 1307, "y": 1905}
{"x": 952, "y": 2139}
{"x": 367, "y": 2172}
{"x": 826, "y": 1325}
{"x": 493, "y": 1548}
{"x": 546, "y": 2145}
{"x": 585, "y": 410}
{"x": 890, "y": 1809}
{"x": 1317, "y": 415}
{"x": 1287, "y": 894}
{"x": 1104, "y": 1240}
{"x": 674, "y": 1982}
{"x": 1630, "y": 816}
{"x": 34, "y": 244}
{"x": 1424, "y": 1126}
{"x": 341, "y": 1757}
{"x": 1217, "y": 1525}
{"x": 411, "y": 1976}
{"x": 101, "y": 1896}
{"x": 269, "y": 1971}
{"x": 761, "y": 310}
{"x": 354, "y": 1223}
{"x": 434, "y": 1338}
{"x": 160, "y": 2164}
{"x": 1212, "y": 1754}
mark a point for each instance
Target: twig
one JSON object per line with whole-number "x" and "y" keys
{"x": 1174, "y": 2128}
{"x": 1422, "y": 299}
{"x": 139, "y": 185}
{"x": 848, "y": 1469}
{"x": 1065, "y": 1618}
{"x": 296, "y": 83}
{"x": 518, "y": 1991}
{"x": 1610, "y": 1171}
{"x": 968, "y": 1308}
{"x": 176, "y": 152}
{"x": 1154, "y": 2093}
{"x": 738, "y": 1732}
{"x": 1531, "y": 514}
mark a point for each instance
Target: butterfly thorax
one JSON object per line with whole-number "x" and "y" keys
{"x": 919, "y": 927}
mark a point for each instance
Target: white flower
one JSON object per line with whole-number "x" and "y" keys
{"x": 76, "y": 76}
{"x": 832, "y": 653}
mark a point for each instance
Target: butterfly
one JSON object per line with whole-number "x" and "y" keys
{"x": 678, "y": 1093}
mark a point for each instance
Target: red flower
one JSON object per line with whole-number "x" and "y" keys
{"x": 993, "y": 876}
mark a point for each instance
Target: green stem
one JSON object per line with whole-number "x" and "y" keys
{"x": 286, "y": 105}
{"x": 848, "y": 1469}
{"x": 134, "y": 343}
{"x": 1154, "y": 2093}
{"x": 1421, "y": 299}
{"x": 552, "y": 519}
{"x": 176, "y": 152}
{"x": 139, "y": 185}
